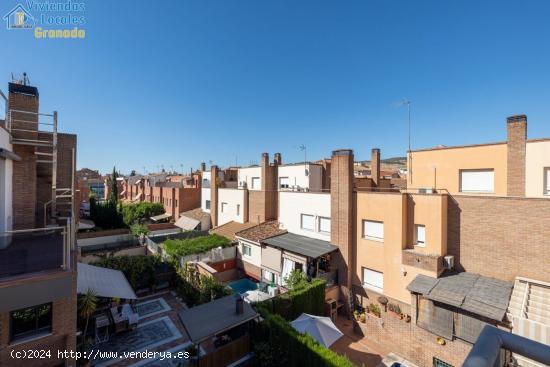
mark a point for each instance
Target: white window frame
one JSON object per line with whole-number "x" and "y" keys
{"x": 224, "y": 207}
{"x": 302, "y": 222}
{"x": 252, "y": 181}
{"x": 417, "y": 241}
{"x": 373, "y": 285}
{"x": 479, "y": 171}
{"x": 546, "y": 183}
{"x": 320, "y": 219}
{"x": 247, "y": 250}
{"x": 372, "y": 237}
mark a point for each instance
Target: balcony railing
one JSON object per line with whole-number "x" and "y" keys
{"x": 30, "y": 251}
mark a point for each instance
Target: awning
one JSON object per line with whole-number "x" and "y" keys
{"x": 206, "y": 320}
{"x": 186, "y": 223}
{"x": 471, "y": 292}
{"x": 160, "y": 217}
{"x": 104, "y": 282}
{"x": 310, "y": 247}
{"x": 9, "y": 155}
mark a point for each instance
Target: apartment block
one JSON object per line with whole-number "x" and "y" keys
{"x": 37, "y": 232}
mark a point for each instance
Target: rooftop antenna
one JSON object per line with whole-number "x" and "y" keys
{"x": 303, "y": 148}
{"x": 407, "y": 102}
{"x": 181, "y": 166}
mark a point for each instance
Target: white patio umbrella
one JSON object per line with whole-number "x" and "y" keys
{"x": 320, "y": 328}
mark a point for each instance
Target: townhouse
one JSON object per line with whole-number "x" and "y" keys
{"x": 38, "y": 307}
{"x": 464, "y": 245}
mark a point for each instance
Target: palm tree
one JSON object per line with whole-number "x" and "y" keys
{"x": 87, "y": 306}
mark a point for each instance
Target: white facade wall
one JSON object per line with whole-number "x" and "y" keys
{"x": 293, "y": 204}
{"x": 296, "y": 174}
{"x": 537, "y": 160}
{"x": 255, "y": 257}
{"x": 229, "y": 199}
{"x": 6, "y": 192}
{"x": 205, "y": 196}
{"x": 245, "y": 175}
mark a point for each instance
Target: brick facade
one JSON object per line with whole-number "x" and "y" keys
{"x": 517, "y": 137}
{"x": 500, "y": 237}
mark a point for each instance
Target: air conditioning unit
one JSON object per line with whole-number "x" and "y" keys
{"x": 449, "y": 262}
{"x": 426, "y": 190}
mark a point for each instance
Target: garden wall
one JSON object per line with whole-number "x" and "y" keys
{"x": 133, "y": 251}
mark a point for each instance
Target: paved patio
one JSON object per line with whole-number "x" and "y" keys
{"x": 159, "y": 329}
{"x": 361, "y": 351}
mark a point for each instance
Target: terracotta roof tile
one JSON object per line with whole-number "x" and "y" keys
{"x": 261, "y": 231}
{"x": 197, "y": 214}
{"x": 229, "y": 229}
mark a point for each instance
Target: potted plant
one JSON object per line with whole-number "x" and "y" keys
{"x": 383, "y": 301}
{"x": 395, "y": 310}
{"x": 363, "y": 317}
{"x": 356, "y": 314}
{"x": 374, "y": 309}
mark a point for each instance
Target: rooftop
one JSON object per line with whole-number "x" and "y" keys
{"x": 261, "y": 231}
{"x": 229, "y": 229}
{"x": 206, "y": 320}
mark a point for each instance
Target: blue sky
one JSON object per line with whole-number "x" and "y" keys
{"x": 180, "y": 82}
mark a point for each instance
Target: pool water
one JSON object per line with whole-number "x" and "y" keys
{"x": 242, "y": 286}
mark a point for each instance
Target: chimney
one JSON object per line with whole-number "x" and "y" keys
{"x": 23, "y": 97}
{"x": 341, "y": 197}
{"x": 203, "y": 166}
{"x": 214, "y": 195}
{"x": 277, "y": 159}
{"x": 239, "y": 305}
{"x": 269, "y": 187}
{"x": 517, "y": 137}
{"x": 375, "y": 166}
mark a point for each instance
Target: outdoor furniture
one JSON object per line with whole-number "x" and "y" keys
{"x": 102, "y": 324}
{"x": 131, "y": 316}
{"x": 120, "y": 321}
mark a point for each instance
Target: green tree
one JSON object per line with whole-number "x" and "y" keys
{"x": 113, "y": 188}
{"x": 87, "y": 306}
{"x": 296, "y": 279}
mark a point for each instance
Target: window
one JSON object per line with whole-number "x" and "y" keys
{"x": 419, "y": 235}
{"x": 308, "y": 222}
{"x": 247, "y": 250}
{"x": 269, "y": 276}
{"x": 31, "y": 321}
{"x": 284, "y": 183}
{"x": 238, "y": 209}
{"x": 373, "y": 279}
{"x": 547, "y": 181}
{"x": 324, "y": 224}
{"x": 373, "y": 230}
{"x": 255, "y": 183}
{"x": 224, "y": 207}
{"x": 207, "y": 204}
{"x": 477, "y": 180}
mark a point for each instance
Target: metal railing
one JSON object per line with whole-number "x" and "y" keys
{"x": 35, "y": 250}
{"x": 486, "y": 350}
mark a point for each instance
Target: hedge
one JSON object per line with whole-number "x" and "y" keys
{"x": 309, "y": 298}
{"x": 136, "y": 212}
{"x": 277, "y": 343}
{"x": 177, "y": 248}
{"x": 141, "y": 270}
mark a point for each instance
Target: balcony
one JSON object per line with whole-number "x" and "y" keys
{"x": 429, "y": 262}
{"x": 31, "y": 251}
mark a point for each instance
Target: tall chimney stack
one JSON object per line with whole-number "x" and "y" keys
{"x": 203, "y": 166}
{"x": 375, "y": 166}
{"x": 341, "y": 197}
{"x": 517, "y": 138}
{"x": 214, "y": 195}
{"x": 277, "y": 159}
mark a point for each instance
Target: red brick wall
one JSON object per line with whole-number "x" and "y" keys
{"x": 500, "y": 237}
{"x": 517, "y": 136}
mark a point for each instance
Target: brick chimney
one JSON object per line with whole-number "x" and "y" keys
{"x": 517, "y": 137}
{"x": 203, "y": 167}
{"x": 214, "y": 195}
{"x": 24, "y": 98}
{"x": 375, "y": 166}
{"x": 278, "y": 159}
{"x": 341, "y": 197}
{"x": 269, "y": 187}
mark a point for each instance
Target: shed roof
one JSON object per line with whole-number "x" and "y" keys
{"x": 104, "y": 282}
{"x": 206, "y": 320}
{"x": 471, "y": 292}
{"x": 310, "y": 247}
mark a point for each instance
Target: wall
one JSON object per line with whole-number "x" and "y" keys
{"x": 293, "y": 204}
{"x": 245, "y": 175}
{"x": 123, "y": 237}
{"x": 132, "y": 251}
{"x": 439, "y": 168}
{"x": 500, "y": 237}
{"x": 297, "y": 177}
{"x": 429, "y": 210}
{"x": 250, "y": 264}
{"x": 232, "y": 197}
{"x": 205, "y": 195}
{"x": 537, "y": 158}
{"x": 6, "y": 172}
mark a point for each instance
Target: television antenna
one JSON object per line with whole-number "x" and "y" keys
{"x": 407, "y": 102}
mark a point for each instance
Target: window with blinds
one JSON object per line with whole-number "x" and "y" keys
{"x": 307, "y": 222}
{"x": 373, "y": 230}
{"x": 324, "y": 224}
{"x": 373, "y": 279}
{"x": 547, "y": 181}
{"x": 477, "y": 180}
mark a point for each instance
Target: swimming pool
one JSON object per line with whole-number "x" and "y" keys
{"x": 244, "y": 285}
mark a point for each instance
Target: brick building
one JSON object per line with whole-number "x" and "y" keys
{"x": 37, "y": 264}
